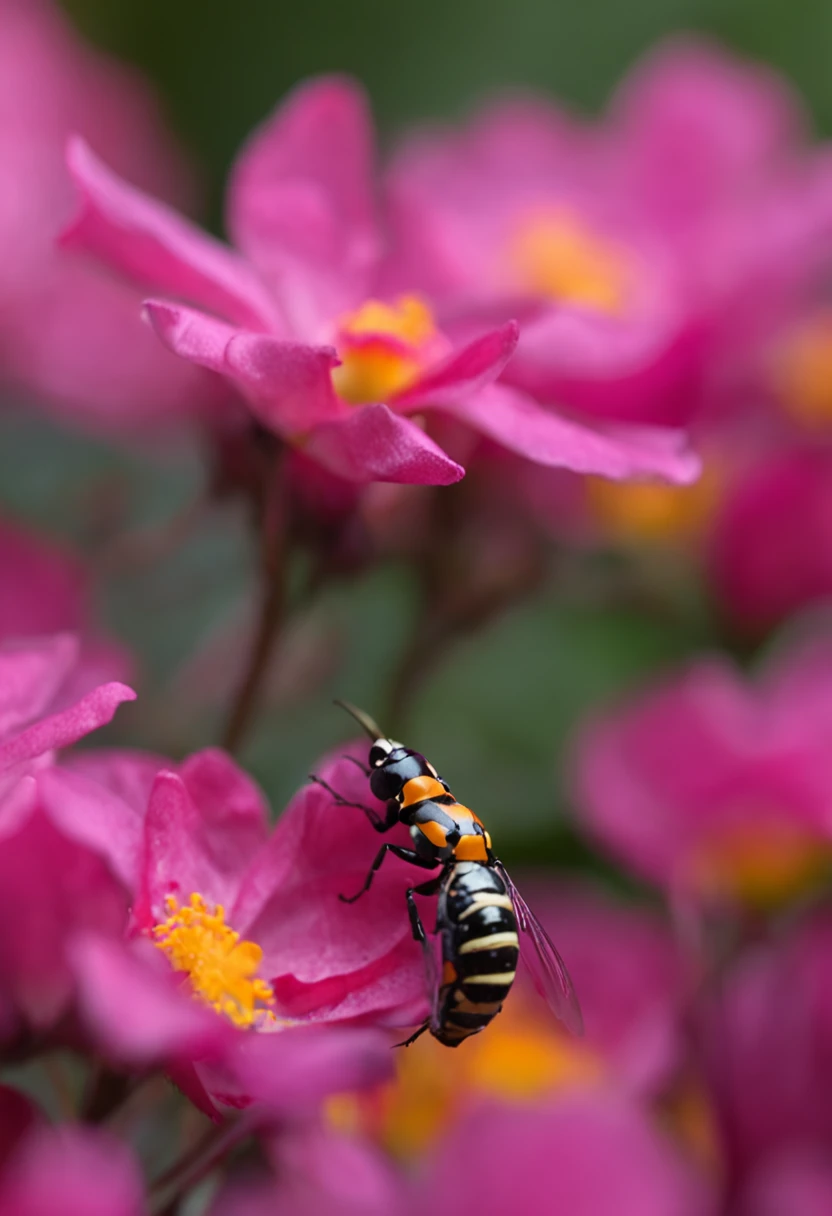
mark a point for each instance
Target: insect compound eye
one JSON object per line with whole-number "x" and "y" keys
{"x": 379, "y": 752}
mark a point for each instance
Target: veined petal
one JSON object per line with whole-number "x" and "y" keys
{"x": 68, "y": 726}
{"x": 156, "y": 246}
{"x": 515, "y": 422}
{"x": 300, "y": 199}
{"x": 371, "y": 443}
{"x": 477, "y": 364}
{"x": 287, "y": 384}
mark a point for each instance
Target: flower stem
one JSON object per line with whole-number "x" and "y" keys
{"x": 273, "y": 554}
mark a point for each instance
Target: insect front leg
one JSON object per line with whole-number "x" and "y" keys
{"x": 381, "y": 823}
{"x": 399, "y": 851}
{"x": 406, "y": 1042}
{"x": 427, "y": 888}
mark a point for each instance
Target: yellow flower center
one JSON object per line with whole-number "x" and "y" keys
{"x": 383, "y": 349}
{"x": 655, "y": 513}
{"x": 804, "y": 374}
{"x": 221, "y": 968}
{"x": 762, "y": 864}
{"x": 519, "y": 1057}
{"x": 554, "y": 255}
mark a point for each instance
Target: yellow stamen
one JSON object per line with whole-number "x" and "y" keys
{"x": 221, "y": 968}
{"x": 388, "y": 350}
{"x": 555, "y": 255}
{"x": 804, "y": 374}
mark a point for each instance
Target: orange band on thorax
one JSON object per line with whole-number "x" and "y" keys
{"x": 420, "y": 789}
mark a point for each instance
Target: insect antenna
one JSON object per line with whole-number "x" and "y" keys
{"x": 364, "y": 720}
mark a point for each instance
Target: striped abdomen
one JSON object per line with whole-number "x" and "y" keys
{"x": 479, "y": 951}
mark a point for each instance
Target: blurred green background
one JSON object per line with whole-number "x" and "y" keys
{"x": 495, "y": 716}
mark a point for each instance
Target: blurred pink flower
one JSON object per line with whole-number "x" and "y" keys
{"x": 588, "y": 1154}
{"x": 770, "y": 552}
{"x": 649, "y": 257}
{"x": 713, "y": 786}
{"x": 766, "y": 1042}
{"x": 627, "y": 967}
{"x": 300, "y": 324}
{"x": 76, "y": 1171}
{"x": 70, "y": 335}
{"x": 45, "y": 591}
{"x": 793, "y": 1184}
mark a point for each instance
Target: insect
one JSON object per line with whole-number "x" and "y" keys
{"x": 479, "y": 909}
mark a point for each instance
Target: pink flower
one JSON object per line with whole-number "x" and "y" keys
{"x": 71, "y": 336}
{"x": 796, "y": 1182}
{"x": 72, "y": 1170}
{"x": 63, "y": 849}
{"x": 771, "y": 548}
{"x": 712, "y": 786}
{"x": 765, "y": 1043}
{"x": 589, "y": 1155}
{"x": 649, "y": 258}
{"x": 299, "y": 320}
{"x": 247, "y": 921}
{"x": 207, "y": 845}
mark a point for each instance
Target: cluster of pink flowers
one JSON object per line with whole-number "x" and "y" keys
{"x": 603, "y": 351}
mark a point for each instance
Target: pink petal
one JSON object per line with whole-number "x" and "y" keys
{"x": 94, "y": 817}
{"x": 73, "y": 1170}
{"x": 31, "y": 675}
{"x": 476, "y": 365}
{"x": 66, "y": 727}
{"x": 153, "y": 244}
{"x": 196, "y": 839}
{"x": 371, "y": 443}
{"x": 291, "y": 1071}
{"x": 18, "y": 1116}
{"x": 515, "y": 422}
{"x": 289, "y": 902}
{"x": 50, "y": 889}
{"x": 136, "y": 1008}
{"x": 287, "y": 384}
{"x": 300, "y": 200}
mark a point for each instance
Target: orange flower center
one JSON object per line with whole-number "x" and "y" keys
{"x": 555, "y": 255}
{"x": 221, "y": 968}
{"x": 383, "y": 349}
{"x": 762, "y": 864}
{"x": 804, "y": 373}
{"x": 654, "y": 513}
{"x": 519, "y": 1057}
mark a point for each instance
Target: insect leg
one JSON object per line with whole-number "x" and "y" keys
{"x": 379, "y": 822}
{"x": 410, "y": 855}
{"x": 406, "y": 1042}
{"x": 365, "y": 770}
{"x": 427, "y": 888}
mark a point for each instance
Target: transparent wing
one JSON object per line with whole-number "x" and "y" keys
{"x": 547, "y": 968}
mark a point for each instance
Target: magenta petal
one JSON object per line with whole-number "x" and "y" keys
{"x": 287, "y": 384}
{"x": 515, "y": 422}
{"x": 73, "y": 1171}
{"x": 18, "y": 1115}
{"x": 476, "y": 365}
{"x": 197, "y": 841}
{"x": 68, "y": 726}
{"x": 155, "y": 245}
{"x": 373, "y": 444}
{"x": 301, "y": 201}
{"x": 93, "y": 816}
{"x": 136, "y": 1008}
{"x": 291, "y": 1071}
{"x": 31, "y": 675}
